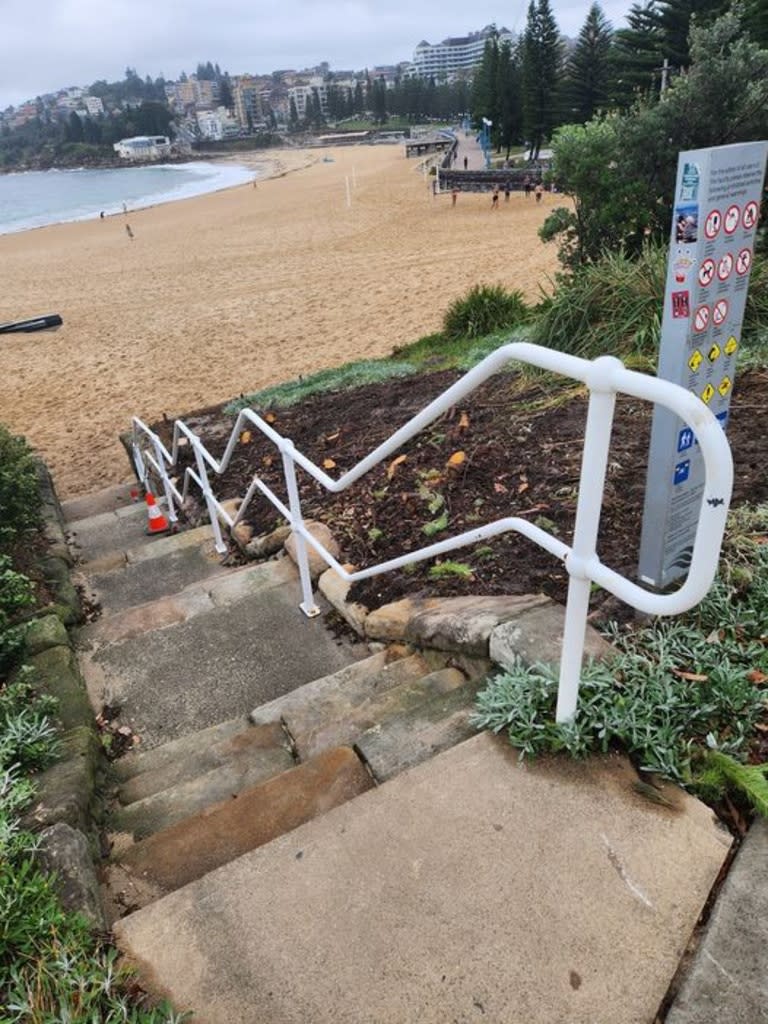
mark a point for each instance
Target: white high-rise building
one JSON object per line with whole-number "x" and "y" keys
{"x": 440, "y": 60}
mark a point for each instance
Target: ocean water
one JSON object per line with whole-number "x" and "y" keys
{"x": 32, "y": 199}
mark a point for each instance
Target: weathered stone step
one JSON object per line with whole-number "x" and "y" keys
{"x": 312, "y": 733}
{"x": 472, "y": 888}
{"x": 328, "y": 699}
{"x": 108, "y": 499}
{"x": 140, "y": 762}
{"x": 190, "y": 849}
{"x": 180, "y": 664}
{"x": 405, "y": 740}
{"x": 110, "y": 534}
{"x": 202, "y": 759}
{"x": 244, "y": 768}
{"x": 156, "y": 570}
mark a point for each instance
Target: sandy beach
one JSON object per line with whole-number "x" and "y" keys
{"x": 229, "y": 292}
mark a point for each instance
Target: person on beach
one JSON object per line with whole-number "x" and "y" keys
{"x": 101, "y": 215}
{"x": 454, "y": 196}
{"x": 495, "y": 198}
{"x": 465, "y": 163}
{"x": 128, "y": 231}
{"x": 125, "y": 209}
{"x": 539, "y": 192}
{"x": 507, "y": 187}
{"x": 527, "y": 186}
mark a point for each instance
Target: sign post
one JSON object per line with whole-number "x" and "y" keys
{"x": 717, "y": 198}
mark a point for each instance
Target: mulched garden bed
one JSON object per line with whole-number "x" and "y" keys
{"x": 512, "y": 448}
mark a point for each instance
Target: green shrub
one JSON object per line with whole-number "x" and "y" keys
{"x": 19, "y": 491}
{"x": 16, "y": 594}
{"x": 678, "y": 692}
{"x": 614, "y": 307}
{"x": 485, "y": 309}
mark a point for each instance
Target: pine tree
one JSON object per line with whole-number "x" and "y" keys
{"x": 542, "y": 59}
{"x": 589, "y": 70}
{"x": 674, "y": 18}
{"x": 637, "y": 54}
{"x": 510, "y": 130}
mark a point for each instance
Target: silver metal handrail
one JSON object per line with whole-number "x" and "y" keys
{"x": 605, "y": 377}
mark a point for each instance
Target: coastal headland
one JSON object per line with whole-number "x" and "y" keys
{"x": 229, "y": 292}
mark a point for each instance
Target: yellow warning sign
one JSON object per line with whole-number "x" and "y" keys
{"x": 730, "y": 346}
{"x": 724, "y": 386}
{"x": 695, "y": 361}
{"x": 713, "y": 353}
{"x": 707, "y": 394}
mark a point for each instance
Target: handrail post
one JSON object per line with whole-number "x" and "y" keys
{"x": 159, "y": 454}
{"x": 307, "y": 605}
{"x": 219, "y": 544}
{"x": 594, "y": 462}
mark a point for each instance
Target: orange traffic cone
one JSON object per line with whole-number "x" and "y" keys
{"x": 156, "y": 523}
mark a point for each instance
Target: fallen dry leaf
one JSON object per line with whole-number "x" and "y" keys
{"x": 757, "y": 677}
{"x": 270, "y": 417}
{"x": 500, "y": 488}
{"x": 245, "y": 437}
{"x": 522, "y": 487}
{"x": 456, "y": 459}
{"x": 693, "y": 677}
{"x": 463, "y": 421}
{"x": 333, "y": 437}
{"x": 267, "y": 460}
{"x": 392, "y": 467}
{"x": 329, "y": 464}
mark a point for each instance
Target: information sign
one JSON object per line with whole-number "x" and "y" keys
{"x": 707, "y": 280}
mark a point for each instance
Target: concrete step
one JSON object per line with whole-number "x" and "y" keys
{"x": 313, "y": 732}
{"x": 180, "y": 664}
{"x": 201, "y": 757}
{"x": 472, "y": 887}
{"x": 247, "y": 764}
{"x": 103, "y": 538}
{"x": 213, "y": 837}
{"x": 418, "y": 733}
{"x": 108, "y": 499}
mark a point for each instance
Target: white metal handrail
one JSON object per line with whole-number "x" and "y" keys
{"x": 605, "y": 377}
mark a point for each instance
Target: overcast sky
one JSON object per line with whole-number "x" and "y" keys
{"x": 46, "y": 45}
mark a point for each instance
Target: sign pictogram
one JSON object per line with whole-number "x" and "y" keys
{"x": 682, "y": 471}
{"x": 706, "y": 272}
{"x": 720, "y": 312}
{"x": 730, "y": 346}
{"x": 725, "y": 266}
{"x": 749, "y": 217}
{"x": 681, "y": 305}
{"x": 708, "y": 394}
{"x": 695, "y": 361}
{"x": 724, "y": 386}
{"x": 712, "y": 224}
{"x": 685, "y": 439}
{"x": 701, "y": 319}
{"x": 713, "y": 353}
{"x": 744, "y": 261}
{"x": 731, "y": 219}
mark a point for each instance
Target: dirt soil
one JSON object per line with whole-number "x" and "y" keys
{"x": 513, "y": 449}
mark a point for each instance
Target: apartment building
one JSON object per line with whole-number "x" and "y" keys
{"x": 247, "y": 94}
{"x": 454, "y": 55}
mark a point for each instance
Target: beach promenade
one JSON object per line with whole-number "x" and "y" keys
{"x": 230, "y": 292}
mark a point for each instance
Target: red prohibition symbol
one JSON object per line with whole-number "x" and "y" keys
{"x": 744, "y": 261}
{"x": 701, "y": 318}
{"x": 706, "y": 272}
{"x": 712, "y": 224}
{"x": 731, "y": 220}
{"x": 720, "y": 312}
{"x": 725, "y": 266}
{"x": 749, "y": 217}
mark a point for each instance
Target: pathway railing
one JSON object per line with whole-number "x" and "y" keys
{"x": 605, "y": 377}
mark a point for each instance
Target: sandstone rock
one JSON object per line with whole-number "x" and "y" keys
{"x": 335, "y": 590}
{"x": 45, "y": 632}
{"x": 321, "y": 533}
{"x": 269, "y": 543}
{"x": 537, "y": 636}
{"x": 391, "y": 620}
{"x": 464, "y": 624}
{"x": 63, "y": 852}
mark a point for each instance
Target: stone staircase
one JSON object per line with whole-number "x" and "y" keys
{"x": 307, "y": 828}
{"x": 182, "y": 650}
